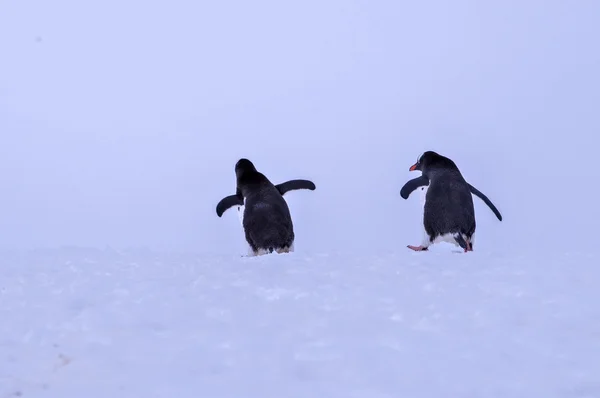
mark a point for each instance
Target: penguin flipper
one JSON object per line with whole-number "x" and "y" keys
{"x": 485, "y": 199}
{"x": 227, "y": 202}
{"x": 413, "y": 184}
{"x": 293, "y": 185}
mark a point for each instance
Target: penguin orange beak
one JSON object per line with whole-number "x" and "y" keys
{"x": 414, "y": 167}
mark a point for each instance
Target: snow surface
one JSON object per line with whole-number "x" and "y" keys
{"x": 102, "y": 323}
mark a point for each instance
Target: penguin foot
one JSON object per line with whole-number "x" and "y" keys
{"x": 418, "y": 248}
{"x": 463, "y": 242}
{"x": 469, "y": 248}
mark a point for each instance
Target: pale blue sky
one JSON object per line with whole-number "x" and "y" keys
{"x": 121, "y": 122}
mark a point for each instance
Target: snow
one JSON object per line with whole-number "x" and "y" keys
{"x": 99, "y": 323}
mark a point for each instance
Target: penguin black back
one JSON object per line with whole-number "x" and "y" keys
{"x": 267, "y": 220}
{"x": 448, "y": 202}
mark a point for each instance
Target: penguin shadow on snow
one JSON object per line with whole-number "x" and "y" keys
{"x": 448, "y": 211}
{"x": 265, "y": 217}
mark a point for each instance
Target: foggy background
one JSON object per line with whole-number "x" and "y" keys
{"x": 121, "y": 122}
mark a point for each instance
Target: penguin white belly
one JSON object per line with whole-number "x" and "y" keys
{"x": 240, "y": 210}
{"x": 423, "y": 192}
{"x": 447, "y": 238}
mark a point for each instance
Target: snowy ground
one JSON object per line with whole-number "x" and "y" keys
{"x": 98, "y": 323}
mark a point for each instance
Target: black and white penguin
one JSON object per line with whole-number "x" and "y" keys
{"x": 266, "y": 217}
{"x": 448, "y": 212}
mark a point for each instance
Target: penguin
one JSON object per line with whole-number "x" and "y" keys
{"x": 448, "y": 212}
{"x": 265, "y": 217}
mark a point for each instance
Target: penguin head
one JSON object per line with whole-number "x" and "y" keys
{"x": 423, "y": 161}
{"x": 431, "y": 160}
{"x": 243, "y": 166}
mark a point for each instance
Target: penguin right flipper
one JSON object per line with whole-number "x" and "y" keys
{"x": 293, "y": 185}
{"x": 488, "y": 202}
{"x": 413, "y": 184}
{"x": 227, "y": 202}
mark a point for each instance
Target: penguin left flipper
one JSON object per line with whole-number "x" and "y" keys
{"x": 293, "y": 185}
{"x": 413, "y": 184}
{"x": 228, "y": 202}
{"x": 485, "y": 199}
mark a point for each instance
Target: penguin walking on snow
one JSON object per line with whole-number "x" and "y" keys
{"x": 266, "y": 219}
{"x": 448, "y": 212}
